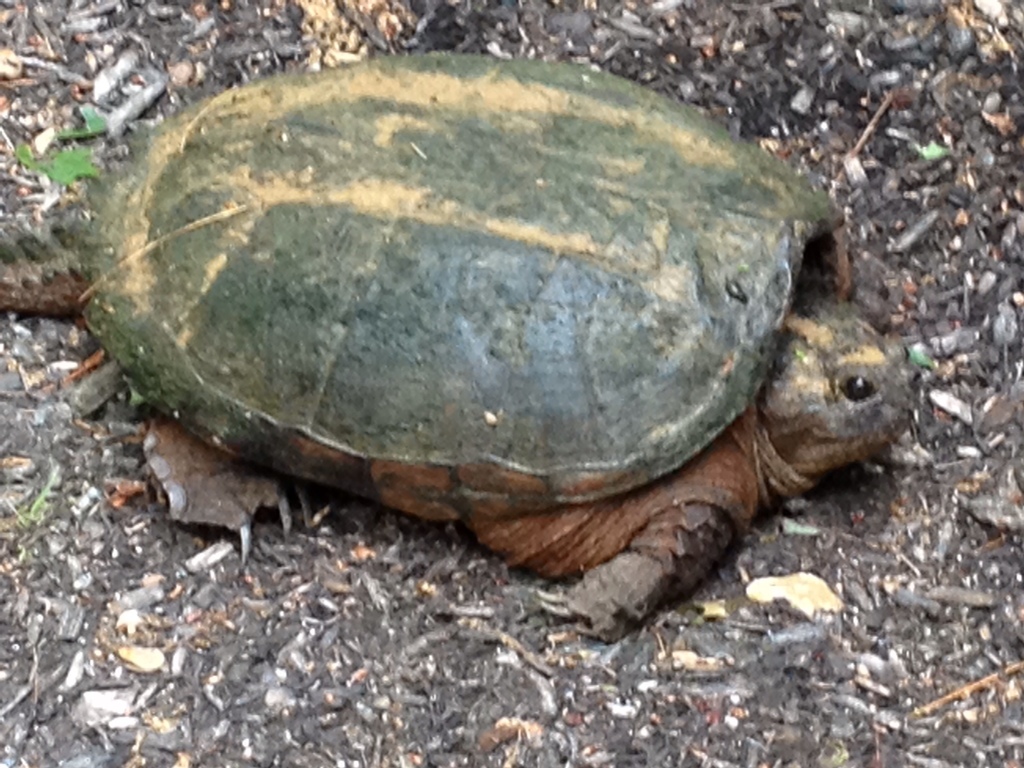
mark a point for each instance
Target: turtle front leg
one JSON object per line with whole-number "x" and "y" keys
{"x": 638, "y": 550}
{"x": 668, "y": 559}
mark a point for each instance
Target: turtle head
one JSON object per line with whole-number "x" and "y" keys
{"x": 839, "y": 394}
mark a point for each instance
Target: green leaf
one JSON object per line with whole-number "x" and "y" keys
{"x": 135, "y": 398}
{"x": 932, "y": 151}
{"x": 920, "y": 358}
{"x": 24, "y": 154}
{"x": 33, "y": 513}
{"x": 67, "y": 166}
{"x": 94, "y": 126}
{"x": 70, "y": 165}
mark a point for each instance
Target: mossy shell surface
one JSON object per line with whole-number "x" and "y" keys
{"x": 458, "y": 285}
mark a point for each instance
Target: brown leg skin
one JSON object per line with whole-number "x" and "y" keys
{"x": 206, "y": 486}
{"x": 29, "y": 289}
{"x": 650, "y": 545}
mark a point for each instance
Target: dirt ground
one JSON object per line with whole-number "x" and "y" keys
{"x": 374, "y": 640}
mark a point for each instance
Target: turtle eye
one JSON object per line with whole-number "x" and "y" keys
{"x": 858, "y": 388}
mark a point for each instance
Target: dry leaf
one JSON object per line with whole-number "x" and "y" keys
{"x": 508, "y": 728}
{"x": 804, "y": 591}
{"x": 11, "y": 67}
{"x": 142, "y": 659}
{"x": 713, "y": 609}
{"x": 1001, "y": 121}
{"x": 120, "y": 492}
{"x": 426, "y": 589}
{"x": 361, "y": 553}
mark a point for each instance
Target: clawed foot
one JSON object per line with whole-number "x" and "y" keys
{"x": 207, "y": 487}
{"x": 614, "y": 598}
{"x": 667, "y": 561}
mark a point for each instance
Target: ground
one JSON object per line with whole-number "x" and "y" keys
{"x": 374, "y": 640}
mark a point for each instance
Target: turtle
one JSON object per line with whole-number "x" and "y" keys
{"x": 528, "y": 296}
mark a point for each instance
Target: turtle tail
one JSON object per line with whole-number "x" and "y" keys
{"x": 40, "y": 270}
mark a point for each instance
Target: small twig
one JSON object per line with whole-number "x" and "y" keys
{"x": 967, "y": 690}
{"x": 151, "y": 246}
{"x": 514, "y": 645}
{"x": 872, "y": 125}
{"x": 29, "y": 688}
{"x": 63, "y": 73}
{"x": 91, "y": 363}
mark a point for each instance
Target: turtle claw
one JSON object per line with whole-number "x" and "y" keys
{"x": 308, "y": 517}
{"x": 245, "y": 540}
{"x": 284, "y": 508}
{"x": 555, "y": 603}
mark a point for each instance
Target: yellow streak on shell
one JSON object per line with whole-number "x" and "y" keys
{"x": 389, "y": 125}
{"x": 621, "y": 166}
{"x": 213, "y": 270}
{"x": 490, "y": 95}
{"x": 512, "y": 102}
{"x": 386, "y": 199}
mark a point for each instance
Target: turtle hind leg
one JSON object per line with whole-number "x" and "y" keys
{"x": 205, "y": 486}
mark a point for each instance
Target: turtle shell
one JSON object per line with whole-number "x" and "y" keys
{"x": 457, "y": 285}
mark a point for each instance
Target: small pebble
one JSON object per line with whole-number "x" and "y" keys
{"x": 621, "y": 710}
{"x": 995, "y": 10}
{"x": 280, "y": 700}
{"x": 847, "y": 22}
{"x": 10, "y": 381}
{"x": 987, "y": 282}
{"x": 181, "y": 73}
{"x": 992, "y": 103}
{"x": 802, "y": 101}
{"x": 141, "y": 598}
{"x": 1005, "y": 326}
{"x": 961, "y": 40}
{"x": 98, "y": 707}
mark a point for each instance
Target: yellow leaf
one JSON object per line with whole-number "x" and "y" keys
{"x": 804, "y": 591}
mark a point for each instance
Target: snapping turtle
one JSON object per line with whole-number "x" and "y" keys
{"x": 531, "y": 297}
